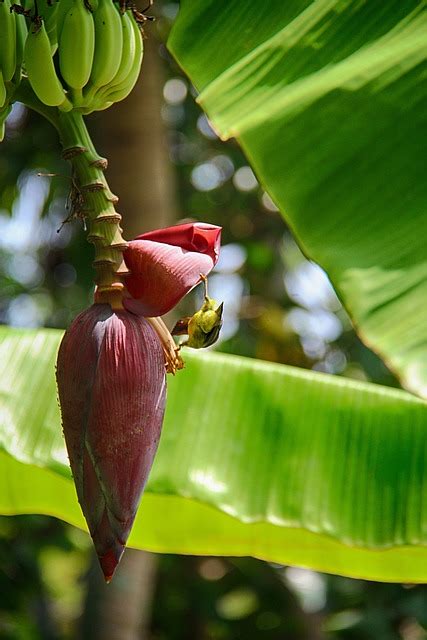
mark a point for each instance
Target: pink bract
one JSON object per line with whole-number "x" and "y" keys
{"x": 112, "y": 389}
{"x": 166, "y": 264}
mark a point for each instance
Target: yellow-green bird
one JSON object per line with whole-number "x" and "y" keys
{"x": 204, "y": 326}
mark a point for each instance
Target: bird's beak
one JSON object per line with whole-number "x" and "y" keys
{"x": 219, "y": 310}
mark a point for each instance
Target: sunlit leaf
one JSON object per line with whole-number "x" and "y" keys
{"x": 255, "y": 459}
{"x": 328, "y": 99}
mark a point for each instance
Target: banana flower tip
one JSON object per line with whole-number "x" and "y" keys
{"x": 109, "y": 562}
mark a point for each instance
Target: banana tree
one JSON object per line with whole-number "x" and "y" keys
{"x": 325, "y": 97}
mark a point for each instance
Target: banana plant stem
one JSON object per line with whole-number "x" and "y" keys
{"x": 26, "y": 95}
{"x": 91, "y": 198}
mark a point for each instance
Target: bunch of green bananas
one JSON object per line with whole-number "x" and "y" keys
{"x": 13, "y": 32}
{"x": 82, "y": 56}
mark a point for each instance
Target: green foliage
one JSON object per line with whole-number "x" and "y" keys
{"x": 255, "y": 459}
{"x": 325, "y": 99}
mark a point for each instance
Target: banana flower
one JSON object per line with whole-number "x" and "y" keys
{"x": 112, "y": 384}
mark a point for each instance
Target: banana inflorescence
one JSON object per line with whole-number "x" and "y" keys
{"x": 77, "y": 54}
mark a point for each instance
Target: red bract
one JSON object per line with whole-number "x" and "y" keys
{"x": 111, "y": 380}
{"x": 111, "y": 383}
{"x": 165, "y": 264}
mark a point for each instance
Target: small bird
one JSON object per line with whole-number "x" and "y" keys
{"x": 204, "y": 326}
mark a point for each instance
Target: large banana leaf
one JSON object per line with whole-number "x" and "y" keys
{"x": 328, "y": 98}
{"x": 255, "y": 458}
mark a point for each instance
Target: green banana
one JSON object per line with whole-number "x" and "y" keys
{"x": 127, "y": 61}
{"x": 128, "y": 48}
{"x": 40, "y": 68}
{"x": 3, "y": 116}
{"x": 2, "y": 91}
{"x": 48, "y": 9}
{"x": 7, "y": 41}
{"x": 21, "y": 36}
{"x": 5, "y": 110}
{"x": 120, "y": 91}
{"x": 63, "y": 8}
{"x": 76, "y": 46}
{"x": 108, "y": 45}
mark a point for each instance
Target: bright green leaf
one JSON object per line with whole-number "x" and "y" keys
{"x": 328, "y": 99}
{"x": 255, "y": 459}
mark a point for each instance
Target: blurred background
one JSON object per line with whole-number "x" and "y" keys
{"x": 167, "y": 165}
